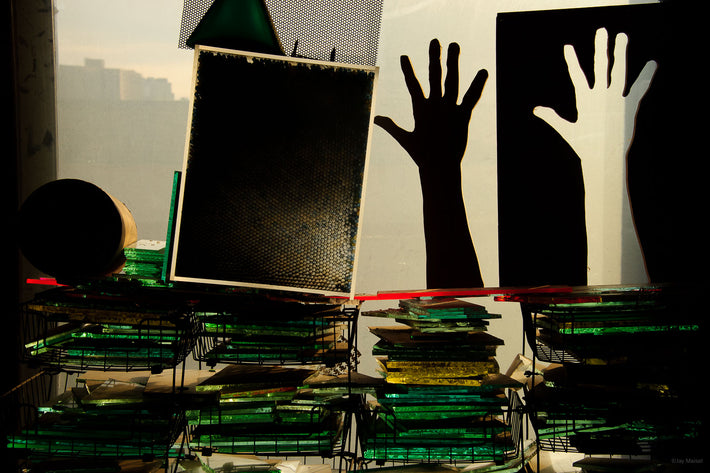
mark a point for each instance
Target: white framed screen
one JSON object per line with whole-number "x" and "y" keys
{"x": 274, "y": 172}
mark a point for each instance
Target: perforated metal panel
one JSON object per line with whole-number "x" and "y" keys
{"x": 274, "y": 174}
{"x": 313, "y": 28}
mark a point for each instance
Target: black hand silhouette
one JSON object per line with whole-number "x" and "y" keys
{"x": 437, "y": 145}
{"x": 441, "y": 124}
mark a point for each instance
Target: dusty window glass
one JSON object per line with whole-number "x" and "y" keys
{"x": 122, "y": 101}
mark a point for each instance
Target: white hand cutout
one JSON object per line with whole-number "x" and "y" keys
{"x": 601, "y": 137}
{"x": 602, "y": 109}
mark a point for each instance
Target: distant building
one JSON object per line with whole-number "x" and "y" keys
{"x": 93, "y": 81}
{"x": 124, "y": 133}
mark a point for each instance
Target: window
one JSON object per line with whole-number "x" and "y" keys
{"x": 122, "y": 101}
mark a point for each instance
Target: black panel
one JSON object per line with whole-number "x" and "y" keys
{"x": 542, "y": 238}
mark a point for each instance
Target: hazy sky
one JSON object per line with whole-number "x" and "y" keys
{"x": 139, "y": 35}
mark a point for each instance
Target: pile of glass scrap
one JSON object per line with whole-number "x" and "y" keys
{"x": 443, "y": 399}
{"x": 259, "y": 329}
{"x": 145, "y": 262}
{"x": 626, "y": 385}
{"x": 101, "y": 421}
{"x": 610, "y": 414}
{"x": 612, "y": 328}
{"x": 77, "y": 330}
{"x": 266, "y": 410}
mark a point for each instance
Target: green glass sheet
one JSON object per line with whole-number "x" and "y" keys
{"x": 146, "y": 254}
{"x": 58, "y": 446}
{"x": 628, "y": 329}
{"x": 177, "y": 177}
{"x": 444, "y": 437}
{"x": 493, "y": 386}
{"x": 270, "y": 439}
{"x": 55, "y": 336}
{"x": 443, "y": 307}
{"x": 461, "y": 434}
{"x": 403, "y": 315}
{"x": 269, "y": 394}
{"x": 272, "y": 330}
{"x": 609, "y": 307}
{"x": 102, "y": 315}
{"x": 245, "y": 417}
{"x": 243, "y": 25}
{"x": 118, "y": 430}
{"x": 617, "y": 325}
{"x": 261, "y": 446}
{"x": 437, "y": 413}
{"x": 413, "y": 379}
{"x": 406, "y": 343}
{"x": 438, "y": 326}
{"x": 214, "y": 462}
{"x": 477, "y": 453}
{"x": 447, "y": 399}
{"x": 407, "y": 336}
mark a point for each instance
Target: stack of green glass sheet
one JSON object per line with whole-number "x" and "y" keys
{"x": 111, "y": 419}
{"x": 75, "y": 330}
{"x": 443, "y": 399}
{"x": 145, "y": 262}
{"x": 610, "y": 330}
{"x": 627, "y": 383}
{"x": 265, "y": 410}
{"x": 262, "y": 330}
{"x": 439, "y": 315}
{"x": 613, "y": 420}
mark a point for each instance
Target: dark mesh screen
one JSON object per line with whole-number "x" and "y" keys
{"x": 312, "y": 28}
{"x": 275, "y": 169}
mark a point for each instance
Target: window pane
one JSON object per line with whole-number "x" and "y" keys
{"x": 122, "y": 91}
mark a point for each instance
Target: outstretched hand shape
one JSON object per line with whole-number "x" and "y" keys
{"x": 441, "y": 124}
{"x": 601, "y": 136}
{"x": 603, "y": 110}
